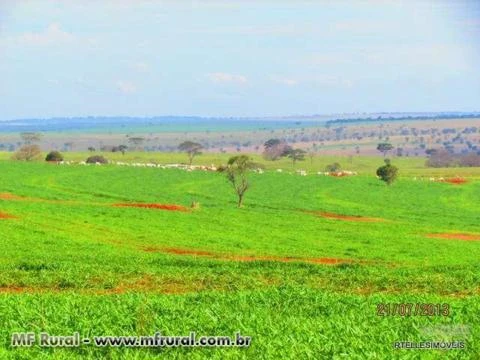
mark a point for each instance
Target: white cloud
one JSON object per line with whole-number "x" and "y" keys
{"x": 332, "y": 81}
{"x": 284, "y": 80}
{"x": 315, "y": 80}
{"x": 220, "y": 77}
{"x": 53, "y": 34}
{"x": 141, "y": 67}
{"x": 126, "y": 87}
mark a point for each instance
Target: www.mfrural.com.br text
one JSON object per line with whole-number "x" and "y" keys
{"x": 45, "y": 339}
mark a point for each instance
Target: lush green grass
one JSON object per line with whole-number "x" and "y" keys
{"x": 72, "y": 262}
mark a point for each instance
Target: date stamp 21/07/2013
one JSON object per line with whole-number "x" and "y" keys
{"x": 413, "y": 309}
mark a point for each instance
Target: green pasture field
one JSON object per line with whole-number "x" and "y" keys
{"x": 301, "y": 285}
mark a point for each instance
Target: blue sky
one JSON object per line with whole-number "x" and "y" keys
{"x": 237, "y": 58}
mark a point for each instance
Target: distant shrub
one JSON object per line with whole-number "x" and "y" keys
{"x": 195, "y": 205}
{"x": 54, "y": 156}
{"x": 387, "y": 172}
{"x": 470, "y": 160}
{"x": 28, "y": 153}
{"x": 97, "y": 159}
{"x": 441, "y": 158}
{"x": 445, "y": 159}
{"x": 333, "y": 167}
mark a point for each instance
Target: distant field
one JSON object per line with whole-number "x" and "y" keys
{"x": 410, "y": 137}
{"x": 301, "y": 268}
{"x": 364, "y": 165}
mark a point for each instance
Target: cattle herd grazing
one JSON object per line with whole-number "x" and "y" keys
{"x": 211, "y": 167}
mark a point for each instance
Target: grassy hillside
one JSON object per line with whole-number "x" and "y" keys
{"x": 283, "y": 269}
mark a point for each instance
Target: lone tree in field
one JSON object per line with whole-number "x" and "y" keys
{"x": 311, "y": 154}
{"x": 275, "y": 149}
{"x": 54, "y": 156}
{"x": 191, "y": 148}
{"x": 122, "y": 148}
{"x": 296, "y": 155}
{"x": 387, "y": 172}
{"x": 236, "y": 171}
{"x": 30, "y": 137}
{"x": 28, "y": 153}
{"x": 333, "y": 167}
{"x": 96, "y": 159}
{"x": 136, "y": 141}
{"x": 384, "y": 148}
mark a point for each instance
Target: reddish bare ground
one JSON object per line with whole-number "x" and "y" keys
{"x": 13, "y": 290}
{"x": 141, "y": 285}
{"x": 356, "y": 218}
{"x": 148, "y": 283}
{"x": 177, "y": 251}
{"x": 170, "y": 207}
{"x": 457, "y": 236}
{"x": 9, "y": 196}
{"x": 456, "y": 180}
{"x": 10, "y": 289}
{"x": 330, "y": 261}
{"x": 248, "y": 258}
{"x": 7, "y": 216}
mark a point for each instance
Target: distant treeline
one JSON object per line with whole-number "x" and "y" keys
{"x": 403, "y": 118}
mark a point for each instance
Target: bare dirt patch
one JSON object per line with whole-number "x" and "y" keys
{"x": 7, "y": 216}
{"x": 9, "y": 196}
{"x": 178, "y": 251}
{"x": 148, "y": 283}
{"x": 248, "y": 258}
{"x": 455, "y": 236}
{"x": 169, "y": 207}
{"x": 356, "y": 218}
{"x": 331, "y": 261}
{"x": 456, "y": 180}
{"x": 11, "y": 289}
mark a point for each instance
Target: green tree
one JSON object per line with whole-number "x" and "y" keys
{"x": 136, "y": 141}
{"x": 191, "y": 148}
{"x": 122, "y": 148}
{"x": 384, "y": 148}
{"x": 236, "y": 171}
{"x": 274, "y": 149}
{"x": 30, "y": 137}
{"x": 54, "y": 156}
{"x": 296, "y": 155}
{"x": 387, "y": 172}
{"x": 333, "y": 167}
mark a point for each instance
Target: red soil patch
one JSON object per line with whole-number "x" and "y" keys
{"x": 248, "y": 258}
{"x": 187, "y": 252}
{"x": 260, "y": 258}
{"x": 170, "y": 207}
{"x": 13, "y": 290}
{"x": 356, "y": 218}
{"x": 331, "y": 261}
{"x": 9, "y": 196}
{"x": 7, "y": 216}
{"x": 148, "y": 283}
{"x": 10, "y": 289}
{"x": 457, "y": 180}
{"x": 452, "y": 236}
{"x": 324, "y": 261}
